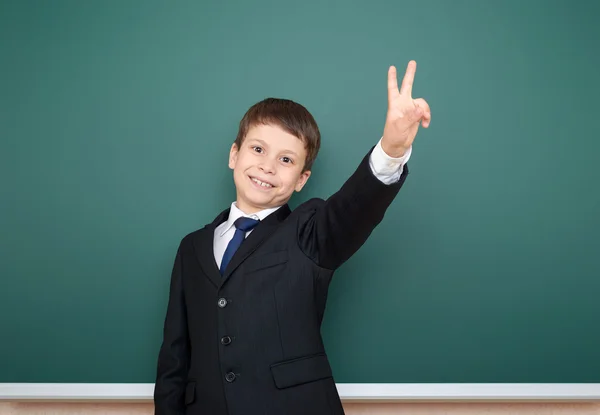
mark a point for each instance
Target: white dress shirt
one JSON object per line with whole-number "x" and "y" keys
{"x": 385, "y": 168}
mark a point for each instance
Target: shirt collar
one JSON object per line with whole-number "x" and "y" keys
{"x": 235, "y": 213}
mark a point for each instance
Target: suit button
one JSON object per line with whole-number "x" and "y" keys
{"x": 230, "y": 377}
{"x": 225, "y": 340}
{"x": 222, "y": 302}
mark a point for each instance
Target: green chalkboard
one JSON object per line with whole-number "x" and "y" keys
{"x": 485, "y": 269}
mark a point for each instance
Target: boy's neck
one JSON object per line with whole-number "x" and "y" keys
{"x": 250, "y": 210}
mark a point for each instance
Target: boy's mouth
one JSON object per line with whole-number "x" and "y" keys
{"x": 261, "y": 184}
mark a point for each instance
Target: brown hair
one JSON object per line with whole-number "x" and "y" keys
{"x": 288, "y": 115}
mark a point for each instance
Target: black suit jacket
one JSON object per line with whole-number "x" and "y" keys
{"x": 249, "y": 342}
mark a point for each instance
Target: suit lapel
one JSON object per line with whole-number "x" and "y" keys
{"x": 255, "y": 239}
{"x": 204, "y": 247}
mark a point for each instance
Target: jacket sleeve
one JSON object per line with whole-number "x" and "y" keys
{"x": 331, "y": 231}
{"x": 173, "y": 358}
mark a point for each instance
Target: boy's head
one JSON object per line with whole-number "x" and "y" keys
{"x": 277, "y": 143}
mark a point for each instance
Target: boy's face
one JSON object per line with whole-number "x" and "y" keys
{"x": 267, "y": 168}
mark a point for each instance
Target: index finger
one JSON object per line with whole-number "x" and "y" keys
{"x": 392, "y": 80}
{"x": 409, "y": 77}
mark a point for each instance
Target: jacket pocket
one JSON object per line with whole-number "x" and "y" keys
{"x": 190, "y": 392}
{"x": 271, "y": 259}
{"x": 301, "y": 370}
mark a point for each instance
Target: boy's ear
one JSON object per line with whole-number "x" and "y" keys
{"x": 233, "y": 156}
{"x": 302, "y": 180}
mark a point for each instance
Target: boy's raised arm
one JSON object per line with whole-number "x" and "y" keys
{"x": 339, "y": 226}
{"x": 173, "y": 358}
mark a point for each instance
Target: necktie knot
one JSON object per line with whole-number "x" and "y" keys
{"x": 245, "y": 224}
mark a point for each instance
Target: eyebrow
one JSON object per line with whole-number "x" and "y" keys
{"x": 265, "y": 145}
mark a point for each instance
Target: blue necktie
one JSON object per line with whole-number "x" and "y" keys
{"x": 242, "y": 225}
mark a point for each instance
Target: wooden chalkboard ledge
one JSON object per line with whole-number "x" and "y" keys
{"x": 349, "y": 392}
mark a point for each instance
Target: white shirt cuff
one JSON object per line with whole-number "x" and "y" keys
{"x": 387, "y": 169}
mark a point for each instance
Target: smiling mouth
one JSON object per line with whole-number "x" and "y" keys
{"x": 260, "y": 183}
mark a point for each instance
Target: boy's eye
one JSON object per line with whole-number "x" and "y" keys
{"x": 287, "y": 160}
{"x": 257, "y": 149}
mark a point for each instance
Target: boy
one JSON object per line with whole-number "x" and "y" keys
{"x": 242, "y": 329}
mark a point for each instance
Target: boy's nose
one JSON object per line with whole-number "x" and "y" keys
{"x": 267, "y": 166}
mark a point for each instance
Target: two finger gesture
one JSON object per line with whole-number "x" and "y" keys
{"x": 404, "y": 113}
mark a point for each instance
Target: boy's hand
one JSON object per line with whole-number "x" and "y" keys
{"x": 404, "y": 113}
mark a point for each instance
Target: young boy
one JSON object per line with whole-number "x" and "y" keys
{"x": 242, "y": 329}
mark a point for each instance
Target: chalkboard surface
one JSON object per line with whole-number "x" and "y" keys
{"x": 486, "y": 267}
